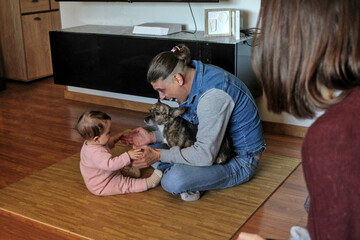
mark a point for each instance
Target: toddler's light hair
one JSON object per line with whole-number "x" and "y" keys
{"x": 92, "y": 124}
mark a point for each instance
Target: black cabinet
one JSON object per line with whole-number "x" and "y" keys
{"x": 111, "y": 58}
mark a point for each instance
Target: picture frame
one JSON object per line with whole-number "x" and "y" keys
{"x": 218, "y": 22}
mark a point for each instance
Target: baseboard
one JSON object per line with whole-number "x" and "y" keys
{"x": 106, "y": 101}
{"x": 270, "y": 127}
{"x": 284, "y": 129}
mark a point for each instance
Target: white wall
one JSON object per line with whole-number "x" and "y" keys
{"x": 279, "y": 118}
{"x": 130, "y": 14}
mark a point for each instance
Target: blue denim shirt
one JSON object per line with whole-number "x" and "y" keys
{"x": 244, "y": 126}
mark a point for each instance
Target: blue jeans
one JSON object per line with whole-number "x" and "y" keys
{"x": 179, "y": 178}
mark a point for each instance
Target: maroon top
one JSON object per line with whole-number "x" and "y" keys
{"x": 331, "y": 163}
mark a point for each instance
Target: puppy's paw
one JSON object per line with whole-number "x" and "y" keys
{"x": 130, "y": 171}
{"x": 220, "y": 159}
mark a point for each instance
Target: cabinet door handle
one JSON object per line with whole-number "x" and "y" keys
{"x": 35, "y": 0}
{"x": 37, "y": 19}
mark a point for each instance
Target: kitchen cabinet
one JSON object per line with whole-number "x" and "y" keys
{"x": 24, "y": 38}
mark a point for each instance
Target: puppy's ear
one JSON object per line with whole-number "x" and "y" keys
{"x": 176, "y": 112}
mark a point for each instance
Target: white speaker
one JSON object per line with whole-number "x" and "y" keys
{"x": 157, "y": 28}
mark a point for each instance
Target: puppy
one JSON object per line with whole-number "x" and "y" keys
{"x": 179, "y": 132}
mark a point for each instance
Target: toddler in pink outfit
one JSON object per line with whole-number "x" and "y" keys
{"x": 102, "y": 172}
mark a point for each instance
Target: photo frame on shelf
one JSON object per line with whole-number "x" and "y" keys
{"x": 218, "y": 22}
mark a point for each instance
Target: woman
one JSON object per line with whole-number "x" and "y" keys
{"x": 218, "y": 103}
{"x": 308, "y": 58}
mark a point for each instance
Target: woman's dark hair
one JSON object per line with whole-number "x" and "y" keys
{"x": 164, "y": 63}
{"x": 92, "y": 124}
{"x": 304, "y": 45}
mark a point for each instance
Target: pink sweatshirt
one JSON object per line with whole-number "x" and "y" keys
{"x": 101, "y": 172}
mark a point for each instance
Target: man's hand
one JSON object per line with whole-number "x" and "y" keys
{"x": 149, "y": 156}
{"x": 138, "y": 137}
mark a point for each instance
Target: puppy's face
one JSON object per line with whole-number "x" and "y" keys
{"x": 161, "y": 113}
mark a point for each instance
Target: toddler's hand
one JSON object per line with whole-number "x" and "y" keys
{"x": 118, "y": 138}
{"x": 135, "y": 153}
{"x": 126, "y": 139}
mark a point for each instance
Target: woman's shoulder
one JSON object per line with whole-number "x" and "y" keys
{"x": 340, "y": 121}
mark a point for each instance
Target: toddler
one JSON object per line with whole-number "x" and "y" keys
{"x": 100, "y": 169}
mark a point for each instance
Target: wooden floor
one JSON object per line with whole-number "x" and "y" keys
{"x": 36, "y": 129}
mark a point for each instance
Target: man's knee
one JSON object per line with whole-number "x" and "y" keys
{"x": 174, "y": 182}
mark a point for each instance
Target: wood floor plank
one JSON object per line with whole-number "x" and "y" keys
{"x": 30, "y": 230}
{"x": 283, "y": 210}
{"x": 41, "y": 195}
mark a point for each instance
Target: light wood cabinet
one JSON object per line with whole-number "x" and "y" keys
{"x": 24, "y": 37}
